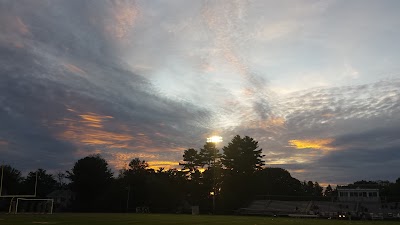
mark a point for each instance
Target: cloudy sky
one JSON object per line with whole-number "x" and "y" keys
{"x": 317, "y": 83}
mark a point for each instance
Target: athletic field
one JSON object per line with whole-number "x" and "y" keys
{"x": 167, "y": 219}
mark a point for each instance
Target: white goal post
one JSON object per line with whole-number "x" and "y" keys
{"x": 34, "y": 205}
{"x": 13, "y": 207}
{"x": 15, "y": 196}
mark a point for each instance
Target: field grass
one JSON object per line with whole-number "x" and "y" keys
{"x": 167, "y": 219}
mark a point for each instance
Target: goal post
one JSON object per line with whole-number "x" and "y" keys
{"x": 26, "y": 203}
{"x": 34, "y": 205}
{"x": 12, "y": 208}
{"x": 15, "y": 196}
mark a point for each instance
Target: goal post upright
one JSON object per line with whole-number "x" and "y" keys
{"x": 36, "y": 180}
{"x": 16, "y": 196}
{"x": 16, "y": 206}
{"x": 1, "y": 182}
{"x": 10, "y": 209}
{"x": 52, "y": 206}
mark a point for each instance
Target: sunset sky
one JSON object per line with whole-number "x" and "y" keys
{"x": 317, "y": 83}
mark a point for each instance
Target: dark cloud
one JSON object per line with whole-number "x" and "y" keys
{"x": 362, "y": 122}
{"x": 63, "y": 75}
{"x": 83, "y": 77}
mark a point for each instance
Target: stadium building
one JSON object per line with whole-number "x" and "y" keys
{"x": 358, "y": 195}
{"x": 349, "y": 203}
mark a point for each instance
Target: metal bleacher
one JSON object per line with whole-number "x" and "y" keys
{"x": 273, "y": 207}
{"x": 323, "y": 209}
{"x": 283, "y": 207}
{"x": 258, "y": 207}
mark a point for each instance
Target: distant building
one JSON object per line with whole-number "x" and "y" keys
{"x": 358, "y": 195}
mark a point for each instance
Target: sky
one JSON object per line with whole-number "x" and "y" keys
{"x": 316, "y": 83}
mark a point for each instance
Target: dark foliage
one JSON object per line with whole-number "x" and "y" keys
{"x": 45, "y": 183}
{"x": 218, "y": 182}
{"x": 11, "y": 180}
{"x": 91, "y": 180}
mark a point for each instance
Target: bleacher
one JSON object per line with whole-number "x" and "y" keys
{"x": 288, "y": 207}
{"x": 257, "y": 207}
{"x": 380, "y": 210}
{"x": 326, "y": 209}
{"x": 259, "y": 204}
{"x": 332, "y": 209}
{"x": 274, "y": 207}
{"x": 350, "y": 203}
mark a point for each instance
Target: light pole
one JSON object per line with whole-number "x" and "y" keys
{"x": 212, "y": 193}
{"x": 214, "y": 175}
{"x": 215, "y": 140}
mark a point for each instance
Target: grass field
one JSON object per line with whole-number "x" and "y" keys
{"x": 167, "y": 219}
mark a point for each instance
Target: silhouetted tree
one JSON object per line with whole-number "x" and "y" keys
{"x": 394, "y": 191}
{"x": 167, "y": 191}
{"x": 241, "y": 158}
{"x": 135, "y": 179}
{"x": 137, "y": 166}
{"x": 60, "y": 177}
{"x": 242, "y": 155}
{"x": 328, "y": 191}
{"x": 45, "y": 183}
{"x": 312, "y": 189}
{"x": 191, "y": 160}
{"x": 201, "y": 184}
{"x": 91, "y": 179}
{"x": 11, "y": 180}
{"x": 317, "y": 190}
{"x": 277, "y": 181}
{"x": 209, "y": 155}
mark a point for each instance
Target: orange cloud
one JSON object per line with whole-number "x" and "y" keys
{"x": 323, "y": 184}
{"x": 22, "y": 28}
{"x": 120, "y": 160}
{"x": 89, "y": 130}
{"x": 298, "y": 171}
{"x": 88, "y": 136}
{"x": 328, "y": 115}
{"x": 3, "y": 143}
{"x": 94, "y": 120}
{"x": 124, "y": 19}
{"x": 290, "y": 160}
{"x": 322, "y": 144}
{"x": 92, "y": 129}
{"x": 113, "y": 140}
{"x": 271, "y": 122}
{"x": 206, "y": 67}
{"x": 165, "y": 164}
{"x": 18, "y": 44}
{"x": 74, "y": 69}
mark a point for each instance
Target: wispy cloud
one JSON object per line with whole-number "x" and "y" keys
{"x": 150, "y": 78}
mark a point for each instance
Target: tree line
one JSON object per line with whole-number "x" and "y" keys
{"x": 218, "y": 181}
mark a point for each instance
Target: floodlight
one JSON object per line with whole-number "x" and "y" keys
{"x": 214, "y": 139}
